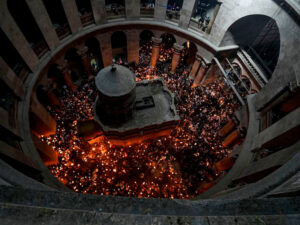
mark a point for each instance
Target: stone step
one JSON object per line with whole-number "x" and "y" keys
{"x": 125, "y": 205}
{"x": 11, "y": 214}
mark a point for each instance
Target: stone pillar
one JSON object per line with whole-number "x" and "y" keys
{"x": 228, "y": 127}
{"x": 106, "y": 50}
{"x": 11, "y": 79}
{"x": 72, "y": 15}
{"x": 186, "y": 13}
{"x": 231, "y": 138}
{"x": 15, "y": 35}
{"x": 160, "y": 9}
{"x": 176, "y": 56}
{"x": 99, "y": 11}
{"x": 212, "y": 20}
{"x": 133, "y": 46}
{"x": 132, "y": 8}
{"x": 155, "y": 50}
{"x": 195, "y": 67}
{"x": 83, "y": 53}
{"x": 202, "y": 71}
{"x": 41, "y": 121}
{"x": 42, "y": 19}
{"x": 66, "y": 75}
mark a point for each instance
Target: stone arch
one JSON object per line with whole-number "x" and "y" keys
{"x": 145, "y": 36}
{"x": 94, "y": 54}
{"x": 259, "y": 36}
{"x": 75, "y": 63}
{"x": 168, "y": 40}
{"x": 190, "y": 50}
{"x": 119, "y": 46}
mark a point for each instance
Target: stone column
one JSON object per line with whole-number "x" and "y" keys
{"x": 83, "y": 53}
{"x": 228, "y": 127}
{"x": 176, "y": 56}
{"x": 11, "y": 79}
{"x": 160, "y": 9}
{"x": 66, "y": 75}
{"x": 132, "y": 8}
{"x": 42, "y": 19}
{"x": 133, "y": 46}
{"x": 106, "y": 50}
{"x": 72, "y": 15}
{"x": 195, "y": 67}
{"x": 99, "y": 11}
{"x": 155, "y": 50}
{"x": 186, "y": 13}
{"x": 15, "y": 35}
{"x": 202, "y": 71}
{"x": 231, "y": 138}
{"x": 212, "y": 20}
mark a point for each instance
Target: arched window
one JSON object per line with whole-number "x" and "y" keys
{"x": 12, "y": 58}
{"x": 26, "y": 22}
{"x": 58, "y": 17}
{"x": 147, "y": 8}
{"x": 85, "y": 12}
{"x": 259, "y": 36}
{"x": 115, "y": 8}
{"x": 95, "y": 56}
{"x": 119, "y": 47}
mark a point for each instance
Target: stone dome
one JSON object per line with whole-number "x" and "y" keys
{"x": 115, "y": 81}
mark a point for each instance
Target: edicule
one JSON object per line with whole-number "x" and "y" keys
{"x": 129, "y": 112}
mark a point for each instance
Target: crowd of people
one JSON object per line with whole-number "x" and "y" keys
{"x": 172, "y": 166}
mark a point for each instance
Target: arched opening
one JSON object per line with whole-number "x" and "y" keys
{"x": 147, "y": 8}
{"x": 12, "y": 58}
{"x": 145, "y": 47}
{"x": 119, "y": 47}
{"x": 95, "y": 56}
{"x": 168, "y": 40}
{"x": 85, "y": 12}
{"x": 58, "y": 17}
{"x": 42, "y": 96}
{"x": 202, "y": 13}
{"x": 173, "y": 9}
{"x": 259, "y": 36}
{"x": 189, "y": 53}
{"x": 75, "y": 64}
{"x": 115, "y": 8}
{"x": 57, "y": 79}
{"x": 145, "y": 37}
{"x": 26, "y": 22}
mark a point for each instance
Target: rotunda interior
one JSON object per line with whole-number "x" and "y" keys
{"x": 200, "y": 101}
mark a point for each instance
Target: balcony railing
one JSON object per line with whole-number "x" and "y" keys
{"x": 40, "y": 48}
{"x": 21, "y": 71}
{"x": 62, "y": 31}
{"x": 87, "y": 19}
{"x": 147, "y": 11}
